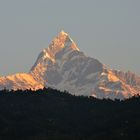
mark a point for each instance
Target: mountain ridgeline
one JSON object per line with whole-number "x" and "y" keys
{"x": 64, "y": 67}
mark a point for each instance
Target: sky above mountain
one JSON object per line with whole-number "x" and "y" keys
{"x": 108, "y": 30}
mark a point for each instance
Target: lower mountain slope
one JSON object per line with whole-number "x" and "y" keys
{"x": 21, "y": 81}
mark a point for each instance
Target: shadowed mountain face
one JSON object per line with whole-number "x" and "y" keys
{"x": 63, "y": 66}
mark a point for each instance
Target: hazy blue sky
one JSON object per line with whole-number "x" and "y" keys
{"x": 108, "y": 30}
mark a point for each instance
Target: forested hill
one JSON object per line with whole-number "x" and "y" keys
{"x": 52, "y": 115}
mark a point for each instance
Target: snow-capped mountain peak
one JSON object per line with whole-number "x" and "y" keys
{"x": 63, "y": 66}
{"x": 66, "y": 41}
{"x": 61, "y": 42}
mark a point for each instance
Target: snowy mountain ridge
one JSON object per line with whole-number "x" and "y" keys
{"x": 63, "y": 66}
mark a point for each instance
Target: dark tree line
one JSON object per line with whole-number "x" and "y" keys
{"x": 52, "y": 115}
